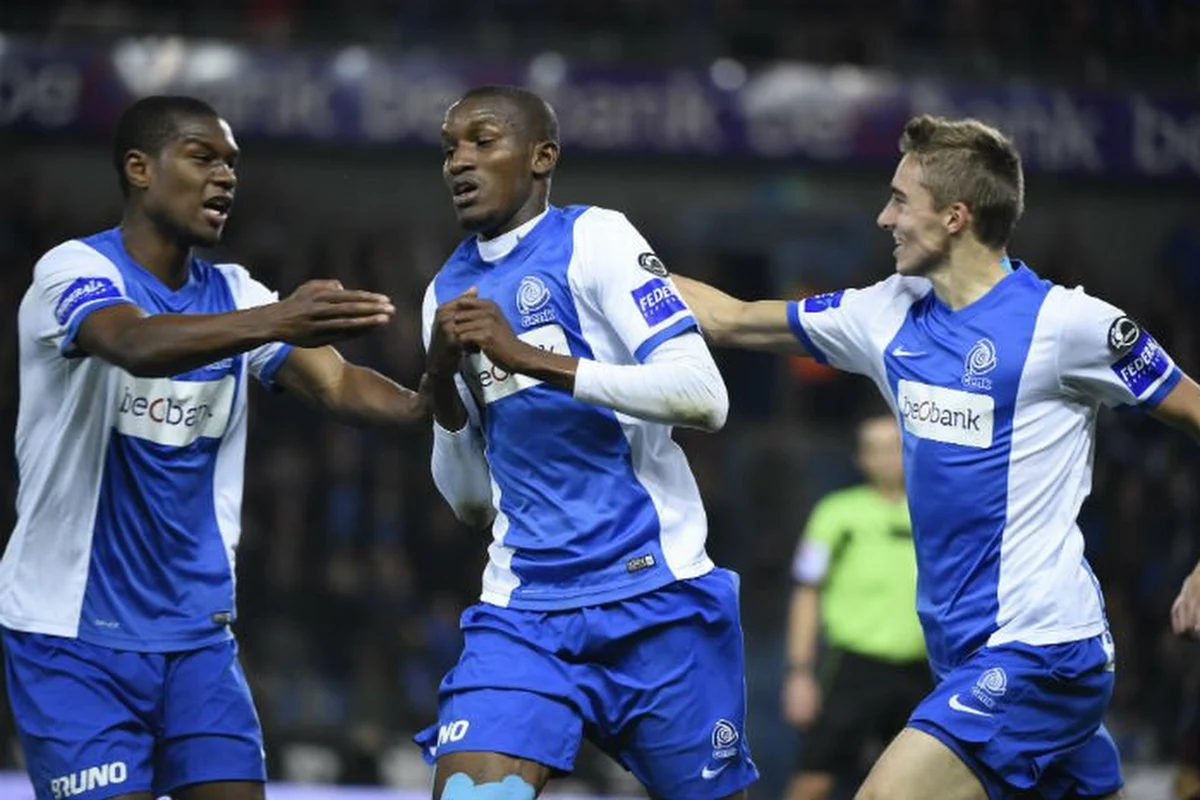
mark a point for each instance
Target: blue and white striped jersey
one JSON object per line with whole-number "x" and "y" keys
{"x": 998, "y": 405}
{"x": 591, "y": 505}
{"x": 129, "y": 504}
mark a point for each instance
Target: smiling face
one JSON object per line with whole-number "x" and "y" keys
{"x": 188, "y": 187}
{"x": 922, "y": 233}
{"x": 494, "y": 166}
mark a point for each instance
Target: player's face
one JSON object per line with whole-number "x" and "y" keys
{"x": 488, "y": 166}
{"x": 191, "y": 184}
{"x": 880, "y": 454}
{"x": 922, "y": 240}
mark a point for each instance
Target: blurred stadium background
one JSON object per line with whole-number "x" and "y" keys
{"x": 752, "y": 142}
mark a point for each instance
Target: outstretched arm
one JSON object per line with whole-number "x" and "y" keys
{"x": 729, "y": 322}
{"x": 1181, "y": 409}
{"x": 353, "y": 394}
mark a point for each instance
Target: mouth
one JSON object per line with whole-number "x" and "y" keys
{"x": 216, "y": 209}
{"x": 464, "y": 192}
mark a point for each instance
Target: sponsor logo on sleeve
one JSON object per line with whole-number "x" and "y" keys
{"x": 1143, "y": 365}
{"x": 81, "y": 292}
{"x": 823, "y": 302}
{"x": 89, "y": 780}
{"x": 1123, "y": 335}
{"x": 946, "y": 415}
{"x": 653, "y": 264}
{"x": 657, "y": 301}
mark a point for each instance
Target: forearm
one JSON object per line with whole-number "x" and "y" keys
{"x": 170, "y": 344}
{"x": 716, "y": 311}
{"x": 804, "y": 623}
{"x": 461, "y": 473}
{"x": 365, "y": 397}
{"x": 678, "y": 385}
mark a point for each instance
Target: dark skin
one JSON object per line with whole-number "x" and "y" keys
{"x": 165, "y": 217}
{"x": 498, "y": 172}
{"x": 168, "y": 211}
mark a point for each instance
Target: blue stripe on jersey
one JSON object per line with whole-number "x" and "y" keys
{"x": 583, "y": 529}
{"x": 955, "y": 361}
{"x": 670, "y": 332}
{"x": 159, "y": 576}
{"x": 793, "y": 316}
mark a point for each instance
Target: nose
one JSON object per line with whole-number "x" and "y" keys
{"x": 884, "y": 220}
{"x": 225, "y": 177}
{"x": 457, "y": 161}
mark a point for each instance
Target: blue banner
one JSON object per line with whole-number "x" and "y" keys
{"x": 841, "y": 115}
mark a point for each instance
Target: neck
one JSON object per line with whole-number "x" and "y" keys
{"x": 154, "y": 250}
{"x": 967, "y": 275}
{"x": 893, "y": 494}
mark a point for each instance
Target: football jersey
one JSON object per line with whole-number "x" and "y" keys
{"x": 997, "y": 402}
{"x": 129, "y": 502}
{"x": 591, "y": 505}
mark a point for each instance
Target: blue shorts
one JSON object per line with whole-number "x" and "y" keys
{"x": 96, "y": 722}
{"x": 1024, "y": 717}
{"x": 657, "y": 681}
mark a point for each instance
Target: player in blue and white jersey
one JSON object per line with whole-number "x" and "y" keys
{"x": 997, "y": 377}
{"x": 560, "y": 357}
{"x": 117, "y": 586}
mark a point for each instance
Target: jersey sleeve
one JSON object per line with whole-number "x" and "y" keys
{"x": 620, "y": 275}
{"x": 70, "y": 282}
{"x": 849, "y": 328}
{"x": 265, "y": 360}
{"x": 1105, "y": 355}
{"x": 815, "y": 548}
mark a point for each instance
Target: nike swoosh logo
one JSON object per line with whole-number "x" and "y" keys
{"x": 709, "y": 774}
{"x": 900, "y": 352}
{"x": 958, "y": 705}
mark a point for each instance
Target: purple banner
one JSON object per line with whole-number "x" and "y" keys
{"x": 843, "y": 116}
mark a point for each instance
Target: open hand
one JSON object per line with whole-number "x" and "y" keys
{"x": 322, "y": 311}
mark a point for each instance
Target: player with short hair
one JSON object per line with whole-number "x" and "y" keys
{"x": 560, "y": 356}
{"x": 997, "y": 377}
{"x": 117, "y": 586}
{"x": 855, "y": 590}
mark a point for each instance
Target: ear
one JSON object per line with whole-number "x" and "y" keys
{"x": 137, "y": 169}
{"x": 958, "y": 217}
{"x": 545, "y": 159}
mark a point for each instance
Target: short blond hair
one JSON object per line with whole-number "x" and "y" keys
{"x": 964, "y": 160}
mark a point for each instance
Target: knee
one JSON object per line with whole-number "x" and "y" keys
{"x": 460, "y": 787}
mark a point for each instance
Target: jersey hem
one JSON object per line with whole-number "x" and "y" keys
{"x": 1055, "y": 636}
{"x": 134, "y": 645}
{"x": 560, "y": 601}
{"x": 797, "y": 326}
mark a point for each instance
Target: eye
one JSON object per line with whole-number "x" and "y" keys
{"x": 485, "y": 141}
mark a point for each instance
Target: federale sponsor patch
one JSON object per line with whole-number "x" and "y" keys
{"x": 1143, "y": 365}
{"x": 81, "y": 292}
{"x": 657, "y": 301}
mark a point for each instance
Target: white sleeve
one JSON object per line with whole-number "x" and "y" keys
{"x": 70, "y": 282}
{"x": 265, "y": 360}
{"x": 849, "y": 328}
{"x": 621, "y": 277}
{"x": 1105, "y": 355}
{"x": 810, "y": 564}
{"x": 678, "y": 385}
{"x": 458, "y": 462}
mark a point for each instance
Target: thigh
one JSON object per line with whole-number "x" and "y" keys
{"x": 488, "y": 776}
{"x": 917, "y": 766}
{"x": 211, "y": 733}
{"x": 84, "y": 715}
{"x": 510, "y": 693}
{"x": 672, "y": 708}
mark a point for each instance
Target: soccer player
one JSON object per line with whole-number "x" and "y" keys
{"x": 560, "y": 356}
{"x": 117, "y": 586}
{"x": 996, "y": 377}
{"x": 856, "y": 586}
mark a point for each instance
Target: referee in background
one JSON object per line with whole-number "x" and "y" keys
{"x": 855, "y": 589}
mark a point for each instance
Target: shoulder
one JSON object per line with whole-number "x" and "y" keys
{"x": 71, "y": 255}
{"x": 598, "y": 221}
